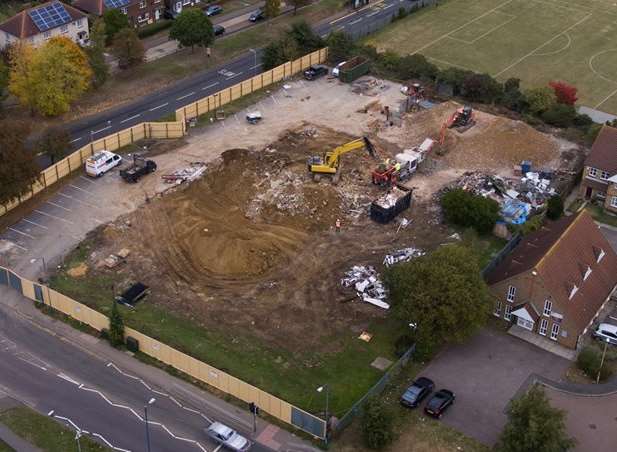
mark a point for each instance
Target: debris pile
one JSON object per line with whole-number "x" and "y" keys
{"x": 190, "y": 173}
{"x": 367, "y": 284}
{"x": 368, "y": 86}
{"x": 402, "y": 255}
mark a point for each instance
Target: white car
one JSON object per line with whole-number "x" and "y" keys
{"x": 337, "y": 68}
{"x": 606, "y": 333}
{"x": 228, "y": 437}
{"x": 101, "y": 162}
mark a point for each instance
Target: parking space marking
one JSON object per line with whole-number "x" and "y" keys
{"x": 86, "y": 179}
{"x": 22, "y": 233}
{"x": 53, "y": 216}
{"x": 81, "y": 189}
{"x": 274, "y": 100}
{"x": 356, "y": 21}
{"x": 58, "y": 205}
{"x": 75, "y": 199}
{"x": 16, "y": 244}
{"x": 35, "y": 224}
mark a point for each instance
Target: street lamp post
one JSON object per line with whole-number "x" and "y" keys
{"x": 606, "y": 341}
{"x": 77, "y": 436}
{"x": 150, "y": 402}
{"x": 327, "y": 390}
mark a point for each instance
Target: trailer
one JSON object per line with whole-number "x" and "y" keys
{"x": 353, "y": 69}
{"x": 139, "y": 168}
{"x": 385, "y": 208}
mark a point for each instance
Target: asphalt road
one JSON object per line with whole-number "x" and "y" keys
{"x": 168, "y": 100}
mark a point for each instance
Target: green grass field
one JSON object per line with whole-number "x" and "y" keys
{"x": 534, "y": 40}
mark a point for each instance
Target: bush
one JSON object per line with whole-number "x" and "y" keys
{"x": 376, "y": 424}
{"x": 340, "y": 47}
{"x": 559, "y": 115}
{"x": 116, "y": 327}
{"x": 554, "y": 208}
{"x": 589, "y": 360}
{"x": 154, "y": 28}
{"x": 481, "y": 88}
{"x": 402, "y": 344}
{"x": 465, "y": 209}
{"x": 453, "y": 77}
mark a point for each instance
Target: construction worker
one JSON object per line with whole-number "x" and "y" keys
{"x": 208, "y": 52}
{"x": 337, "y": 225}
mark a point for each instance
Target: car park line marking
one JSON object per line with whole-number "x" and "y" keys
{"x": 35, "y": 224}
{"x": 389, "y": 6}
{"x": 58, "y": 205}
{"x": 132, "y": 117}
{"x": 17, "y": 245}
{"x": 274, "y": 100}
{"x": 76, "y": 139}
{"x": 87, "y": 179}
{"x": 53, "y": 216}
{"x": 159, "y": 106}
{"x": 22, "y": 233}
{"x": 372, "y": 14}
{"x": 186, "y": 95}
{"x": 81, "y": 189}
{"x": 210, "y": 85}
{"x": 101, "y": 130}
{"x": 82, "y": 431}
{"x": 76, "y": 200}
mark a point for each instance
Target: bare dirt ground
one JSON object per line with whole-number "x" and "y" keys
{"x": 252, "y": 244}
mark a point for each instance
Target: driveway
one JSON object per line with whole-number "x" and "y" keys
{"x": 485, "y": 373}
{"x": 610, "y": 233}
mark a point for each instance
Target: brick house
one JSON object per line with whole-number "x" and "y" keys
{"x": 600, "y": 172}
{"x": 36, "y": 25}
{"x": 175, "y": 7}
{"x": 139, "y": 12}
{"x": 556, "y": 279}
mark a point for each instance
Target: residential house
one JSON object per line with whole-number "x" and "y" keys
{"x": 556, "y": 280}
{"x": 139, "y": 12}
{"x": 175, "y": 7}
{"x": 38, "y": 24}
{"x": 600, "y": 172}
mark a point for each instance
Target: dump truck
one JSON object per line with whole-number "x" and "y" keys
{"x": 385, "y": 208}
{"x": 139, "y": 168}
{"x": 353, "y": 69}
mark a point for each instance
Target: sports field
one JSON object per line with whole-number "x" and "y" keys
{"x": 534, "y": 40}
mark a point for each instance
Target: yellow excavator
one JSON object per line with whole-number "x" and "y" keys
{"x": 330, "y": 163}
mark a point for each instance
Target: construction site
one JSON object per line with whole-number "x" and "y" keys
{"x": 288, "y": 210}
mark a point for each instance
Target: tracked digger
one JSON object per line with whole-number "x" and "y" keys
{"x": 330, "y": 163}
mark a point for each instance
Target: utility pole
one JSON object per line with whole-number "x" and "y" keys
{"x": 606, "y": 341}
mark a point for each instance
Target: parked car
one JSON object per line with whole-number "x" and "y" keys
{"x": 257, "y": 15}
{"x": 337, "y": 68}
{"x": 101, "y": 162}
{"x": 439, "y": 402}
{"x": 414, "y": 394}
{"x": 218, "y": 30}
{"x": 228, "y": 437}
{"x": 315, "y": 72}
{"x": 213, "y": 10}
{"x": 606, "y": 333}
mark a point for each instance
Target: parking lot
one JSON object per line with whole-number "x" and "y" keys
{"x": 485, "y": 373}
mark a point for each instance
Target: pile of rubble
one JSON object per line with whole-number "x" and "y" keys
{"x": 190, "y": 173}
{"x": 368, "y": 285}
{"x": 284, "y": 192}
{"x": 368, "y": 86}
{"x": 402, "y": 255}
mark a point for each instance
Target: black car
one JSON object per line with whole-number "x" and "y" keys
{"x": 218, "y": 30}
{"x": 417, "y": 392}
{"x": 213, "y": 10}
{"x": 314, "y": 72}
{"x": 257, "y": 15}
{"x": 440, "y": 401}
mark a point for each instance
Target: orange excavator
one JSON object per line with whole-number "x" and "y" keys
{"x": 462, "y": 120}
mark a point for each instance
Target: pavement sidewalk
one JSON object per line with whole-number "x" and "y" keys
{"x": 14, "y": 441}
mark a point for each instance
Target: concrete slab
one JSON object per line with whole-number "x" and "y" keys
{"x": 542, "y": 342}
{"x": 381, "y": 363}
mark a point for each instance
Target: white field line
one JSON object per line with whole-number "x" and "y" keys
{"x": 448, "y": 63}
{"x": 561, "y": 5}
{"x": 53, "y": 216}
{"x": 488, "y": 32}
{"x": 593, "y": 69}
{"x": 35, "y": 224}
{"x": 555, "y": 52}
{"x": 542, "y": 45}
{"x": 461, "y": 27}
{"x": 606, "y": 98}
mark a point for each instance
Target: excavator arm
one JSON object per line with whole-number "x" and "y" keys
{"x": 331, "y": 160}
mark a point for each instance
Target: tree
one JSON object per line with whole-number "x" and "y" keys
{"x": 534, "y": 425}
{"x": 554, "y": 208}
{"x": 4, "y": 79}
{"x": 128, "y": 48}
{"x": 192, "y": 28}
{"x": 540, "y": 99}
{"x": 116, "y": 326}
{"x": 465, "y": 209}
{"x": 272, "y": 8}
{"x": 115, "y": 21}
{"x": 443, "y": 293}
{"x": 305, "y": 38}
{"x": 279, "y": 52}
{"x": 589, "y": 360}
{"x": 417, "y": 66}
{"x": 453, "y": 77}
{"x": 376, "y": 423}
{"x": 564, "y": 92}
{"x": 50, "y": 78}
{"x": 559, "y": 115}
{"x": 340, "y": 46}
{"x": 18, "y": 167}
{"x": 481, "y": 88}
{"x": 299, "y": 4}
{"x": 54, "y": 142}
{"x": 96, "y": 53}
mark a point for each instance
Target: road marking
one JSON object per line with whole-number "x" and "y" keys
{"x": 356, "y": 21}
{"x": 132, "y": 117}
{"x": 389, "y": 6}
{"x": 58, "y": 205}
{"x": 69, "y": 379}
{"x": 235, "y": 75}
{"x": 44, "y": 369}
{"x": 77, "y": 200}
{"x": 53, "y": 216}
{"x": 218, "y": 448}
{"x": 210, "y": 85}
{"x": 82, "y": 189}
{"x": 35, "y": 224}
{"x": 256, "y": 66}
{"x": 372, "y": 14}
{"x": 236, "y": 116}
{"x": 186, "y": 95}
{"x": 87, "y": 179}
{"x": 344, "y": 17}
{"x": 76, "y": 139}
{"x": 17, "y": 245}
{"x": 82, "y": 431}
{"x": 22, "y": 233}
{"x": 101, "y": 130}
{"x": 160, "y": 106}
{"x": 274, "y": 100}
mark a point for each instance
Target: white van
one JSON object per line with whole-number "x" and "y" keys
{"x": 101, "y": 162}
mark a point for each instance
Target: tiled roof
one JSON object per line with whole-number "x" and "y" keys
{"x": 91, "y": 6}
{"x": 603, "y": 155}
{"x": 22, "y": 26}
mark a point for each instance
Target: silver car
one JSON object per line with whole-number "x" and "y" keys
{"x": 606, "y": 333}
{"x": 228, "y": 437}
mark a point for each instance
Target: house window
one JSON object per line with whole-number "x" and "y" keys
{"x": 543, "y": 327}
{"x": 507, "y": 313}
{"x": 156, "y": 1}
{"x": 497, "y": 311}
{"x": 124, "y": 10}
{"x": 524, "y": 323}
{"x": 593, "y": 172}
{"x": 548, "y": 306}
{"x": 511, "y": 293}
{"x": 80, "y": 23}
{"x": 64, "y": 28}
{"x": 604, "y": 175}
{"x": 613, "y": 201}
{"x": 554, "y": 331}
{"x": 142, "y": 5}
{"x": 601, "y": 255}
{"x": 587, "y": 273}
{"x": 143, "y": 18}
{"x": 573, "y": 291}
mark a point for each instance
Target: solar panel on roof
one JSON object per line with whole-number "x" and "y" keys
{"x": 116, "y": 3}
{"x": 49, "y": 16}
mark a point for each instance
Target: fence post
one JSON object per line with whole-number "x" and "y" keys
{"x": 57, "y": 174}
{"x": 167, "y": 129}
{"x": 104, "y": 143}
{"x": 145, "y": 131}
{"x": 132, "y": 140}
{"x": 197, "y": 108}
{"x": 45, "y": 179}
{"x": 68, "y": 162}
{"x": 118, "y": 135}
{"x": 241, "y": 89}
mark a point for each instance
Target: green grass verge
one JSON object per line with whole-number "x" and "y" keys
{"x": 4, "y": 447}
{"x": 45, "y": 433}
{"x": 534, "y": 41}
{"x": 600, "y": 215}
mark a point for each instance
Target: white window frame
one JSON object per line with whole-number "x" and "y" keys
{"x": 143, "y": 4}
{"x": 524, "y": 323}
{"x": 497, "y": 311}
{"x": 554, "y": 331}
{"x": 507, "y": 312}
{"x": 593, "y": 172}
{"x": 548, "y": 307}
{"x": 601, "y": 255}
{"x": 80, "y": 23}
{"x": 573, "y": 291}
{"x": 604, "y": 175}
{"x": 144, "y": 17}
{"x": 511, "y": 294}
{"x": 543, "y": 327}
{"x": 613, "y": 201}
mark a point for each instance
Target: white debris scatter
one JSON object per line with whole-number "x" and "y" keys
{"x": 368, "y": 285}
{"x": 403, "y": 255}
{"x": 190, "y": 173}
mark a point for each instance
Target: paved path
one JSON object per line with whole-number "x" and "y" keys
{"x": 15, "y": 441}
